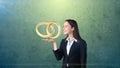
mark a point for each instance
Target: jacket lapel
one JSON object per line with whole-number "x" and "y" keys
{"x": 72, "y": 47}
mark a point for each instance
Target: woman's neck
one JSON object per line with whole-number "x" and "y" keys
{"x": 70, "y": 36}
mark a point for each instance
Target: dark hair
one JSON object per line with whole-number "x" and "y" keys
{"x": 73, "y": 23}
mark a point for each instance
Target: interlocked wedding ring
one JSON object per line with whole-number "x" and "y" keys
{"x": 48, "y": 27}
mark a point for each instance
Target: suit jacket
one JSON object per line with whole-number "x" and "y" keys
{"x": 77, "y": 55}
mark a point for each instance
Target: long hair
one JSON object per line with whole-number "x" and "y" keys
{"x": 73, "y": 23}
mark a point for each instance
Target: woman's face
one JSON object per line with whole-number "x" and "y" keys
{"x": 67, "y": 28}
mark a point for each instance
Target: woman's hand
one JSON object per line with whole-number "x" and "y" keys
{"x": 53, "y": 42}
{"x": 49, "y": 40}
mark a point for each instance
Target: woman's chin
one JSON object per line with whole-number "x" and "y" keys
{"x": 65, "y": 33}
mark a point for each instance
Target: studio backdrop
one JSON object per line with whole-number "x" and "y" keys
{"x": 21, "y": 47}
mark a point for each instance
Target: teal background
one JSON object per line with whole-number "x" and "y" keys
{"x": 21, "y": 47}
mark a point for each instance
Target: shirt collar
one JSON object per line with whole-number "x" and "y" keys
{"x": 72, "y": 39}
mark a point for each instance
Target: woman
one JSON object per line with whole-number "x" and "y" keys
{"x": 73, "y": 49}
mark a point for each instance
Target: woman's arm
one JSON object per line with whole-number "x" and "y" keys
{"x": 83, "y": 54}
{"x": 53, "y": 43}
{"x": 58, "y": 52}
{"x": 55, "y": 46}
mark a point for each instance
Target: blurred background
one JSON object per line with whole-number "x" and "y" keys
{"x": 21, "y": 47}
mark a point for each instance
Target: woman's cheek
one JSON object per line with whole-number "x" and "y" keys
{"x": 65, "y": 32}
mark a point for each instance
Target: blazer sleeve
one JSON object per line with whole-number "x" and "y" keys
{"x": 59, "y": 52}
{"x": 83, "y": 54}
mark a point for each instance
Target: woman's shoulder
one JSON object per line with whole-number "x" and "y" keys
{"x": 64, "y": 39}
{"x": 82, "y": 41}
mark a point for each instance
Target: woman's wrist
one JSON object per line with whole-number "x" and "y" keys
{"x": 55, "y": 46}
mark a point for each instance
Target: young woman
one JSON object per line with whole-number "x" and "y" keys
{"x": 73, "y": 49}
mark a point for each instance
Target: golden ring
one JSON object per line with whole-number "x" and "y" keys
{"x": 49, "y": 34}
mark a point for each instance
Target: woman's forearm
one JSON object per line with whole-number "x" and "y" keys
{"x": 55, "y": 46}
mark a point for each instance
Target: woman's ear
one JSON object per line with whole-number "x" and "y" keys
{"x": 73, "y": 28}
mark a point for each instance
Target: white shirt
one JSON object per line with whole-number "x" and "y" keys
{"x": 69, "y": 44}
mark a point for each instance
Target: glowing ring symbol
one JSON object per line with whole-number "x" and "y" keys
{"x": 49, "y": 34}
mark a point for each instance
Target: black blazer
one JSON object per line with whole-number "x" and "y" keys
{"x": 77, "y": 55}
